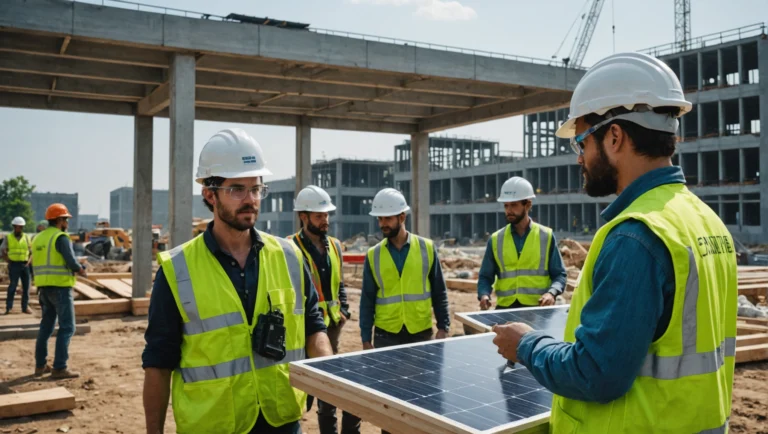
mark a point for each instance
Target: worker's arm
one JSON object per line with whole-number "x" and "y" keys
{"x": 64, "y": 246}
{"x": 488, "y": 271}
{"x": 367, "y": 303}
{"x": 439, "y": 295}
{"x": 633, "y": 290}
{"x": 557, "y": 273}
{"x": 162, "y": 352}
{"x": 4, "y": 249}
{"x": 343, "y": 303}
{"x": 29, "y": 246}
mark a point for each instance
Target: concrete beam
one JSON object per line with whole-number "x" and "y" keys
{"x": 142, "y": 206}
{"x": 64, "y": 67}
{"x": 71, "y": 87}
{"x": 420, "y": 184}
{"x": 386, "y": 109}
{"x": 182, "y": 116}
{"x": 158, "y": 100}
{"x": 303, "y": 158}
{"x": 535, "y": 103}
{"x": 40, "y": 102}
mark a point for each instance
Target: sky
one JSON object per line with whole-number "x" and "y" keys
{"x": 93, "y": 154}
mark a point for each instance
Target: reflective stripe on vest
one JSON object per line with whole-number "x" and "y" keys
{"x": 48, "y": 273}
{"x": 511, "y": 274}
{"x": 402, "y": 297}
{"x": 515, "y": 282}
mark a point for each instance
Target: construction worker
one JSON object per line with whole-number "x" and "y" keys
{"x": 55, "y": 267}
{"x": 522, "y": 261}
{"x": 16, "y": 249}
{"x": 402, "y": 281}
{"x": 229, "y": 310}
{"x": 651, "y": 333}
{"x": 323, "y": 254}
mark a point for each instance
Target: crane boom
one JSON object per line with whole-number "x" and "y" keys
{"x": 582, "y": 44}
{"x": 682, "y": 23}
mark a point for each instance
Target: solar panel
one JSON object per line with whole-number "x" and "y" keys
{"x": 459, "y": 385}
{"x": 550, "y": 319}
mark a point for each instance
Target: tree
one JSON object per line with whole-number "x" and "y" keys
{"x": 14, "y": 194}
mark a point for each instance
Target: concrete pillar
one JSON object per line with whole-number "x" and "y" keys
{"x": 557, "y": 119}
{"x": 557, "y": 178}
{"x": 538, "y": 134}
{"x": 142, "y": 206}
{"x": 742, "y": 119}
{"x": 340, "y": 211}
{"x": 720, "y": 75}
{"x": 303, "y": 160}
{"x": 182, "y": 122}
{"x": 700, "y": 156}
{"x": 597, "y": 216}
{"x": 742, "y": 166}
{"x": 700, "y": 69}
{"x": 420, "y": 184}
{"x": 721, "y": 166}
{"x": 740, "y": 63}
{"x": 681, "y": 67}
{"x": 762, "y": 66}
{"x": 700, "y": 120}
{"x": 720, "y": 118}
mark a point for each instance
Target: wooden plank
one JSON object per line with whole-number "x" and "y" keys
{"x": 747, "y": 340}
{"x": 89, "y": 292}
{"x": 118, "y": 287}
{"x": 752, "y": 353}
{"x": 139, "y": 306}
{"x": 31, "y": 332}
{"x": 751, "y": 269}
{"x": 102, "y": 307}
{"x": 464, "y": 285}
{"x": 37, "y": 402}
{"x": 749, "y": 329}
{"x": 757, "y": 321}
{"x": 99, "y": 276}
{"x": 128, "y": 282}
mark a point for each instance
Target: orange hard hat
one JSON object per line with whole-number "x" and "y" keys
{"x": 57, "y": 210}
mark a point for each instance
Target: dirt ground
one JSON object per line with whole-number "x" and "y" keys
{"x": 109, "y": 391}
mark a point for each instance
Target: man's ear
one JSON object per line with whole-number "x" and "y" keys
{"x": 616, "y": 138}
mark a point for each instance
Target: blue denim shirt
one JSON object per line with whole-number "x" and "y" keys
{"x": 370, "y": 288}
{"x": 630, "y": 307}
{"x": 489, "y": 269}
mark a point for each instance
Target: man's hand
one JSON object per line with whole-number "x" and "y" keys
{"x": 82, "y": 272}
{"x": 441, "y": 334}
{"x": 342, "y": 319}
{"x": 508, "y": 337}
{"x": 367, "y": 346}
{"x": 318, "y": 345}
{"x": 485, "y": 302}
{"x": 547, "y": 300}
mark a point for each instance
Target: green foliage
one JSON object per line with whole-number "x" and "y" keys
{"x": 13, "y": 202}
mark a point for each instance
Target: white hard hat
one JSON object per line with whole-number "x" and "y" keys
{"x": 313, "y": 199}
{"x": 389, "y": 202}
{"x": 627, "y": 80}
{"x": 231, "y": 153}
{"x": 18, "y": 221}
{"x": 516, "y": 189}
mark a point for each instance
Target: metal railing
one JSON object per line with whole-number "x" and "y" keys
{"x": 707, "y": 40}
{"x": 385, "y": 39}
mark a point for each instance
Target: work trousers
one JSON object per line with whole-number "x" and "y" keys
{"x": 326, "y": 413}
{"x": 55, "y": 302}
{"x": 16, "y": 271}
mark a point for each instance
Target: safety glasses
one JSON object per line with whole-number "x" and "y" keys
{"x": 577, "y": 142}
{"x": 238, "y": 192}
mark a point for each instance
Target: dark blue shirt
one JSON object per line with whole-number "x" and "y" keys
{"x": 630, "y": 307}
{"x": 438, "y": 290}
{"x": 323, "y": 264}
{"x": 164, "y": 331}
{"x": 489, "y": 269}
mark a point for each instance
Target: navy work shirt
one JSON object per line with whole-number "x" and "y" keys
{"x": 164, "y": 331}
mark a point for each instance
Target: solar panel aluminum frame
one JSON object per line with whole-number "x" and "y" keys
{"x": 390, "y": 413}
{"x": 478, "y": 327}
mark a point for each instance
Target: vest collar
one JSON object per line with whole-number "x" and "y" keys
{"x": 640, "y": 186}
{"x": 213, "y": 246}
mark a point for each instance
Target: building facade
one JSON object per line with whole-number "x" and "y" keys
{"x": 351, "y": 185}
{"x": 87, "y": 222}
{"x": 40, "y": 201}
{"x": 121, "y": 208}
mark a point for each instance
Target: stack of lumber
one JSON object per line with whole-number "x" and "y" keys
{"x": 108, "y": 294}
{"x": 25, "y": 327}
{"x": 37, "y": 402}
{"x": 753, "y": 281}
{"x": 751, "y": 339}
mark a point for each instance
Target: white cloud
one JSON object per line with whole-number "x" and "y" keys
{"x": 437, "y": 10}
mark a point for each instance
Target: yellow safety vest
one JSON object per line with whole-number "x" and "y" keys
{"x": 686, "y": 381}
{"x": 18, "y": 250}
{"x": 221, "y": 385}
{"x": 48, "y": 264}
{"x": 403, "y": 299}
{"x": 524, "y": 277}
{"x": 331, "y": 308}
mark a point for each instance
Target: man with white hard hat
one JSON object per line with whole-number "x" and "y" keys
{"x": 323, "y": 254}
{"x": 650, "y": 339}
{"x": 521, "y": 262}
{"x": 230, "y": 309}
{"x": 17, "y": 251}
{"x": 402, "y": 281}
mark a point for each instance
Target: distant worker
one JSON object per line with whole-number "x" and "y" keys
{"x": 323, "y": 254}
{"x": 402, "y": 281}
{"x": 55, "y": 267}
{"x": 650, "y": 339}
{"x": 229, "y": 310}
{"x": 17, "y": 251}
{"x": 522, "y": 261}
{"x": 41, "y": 226}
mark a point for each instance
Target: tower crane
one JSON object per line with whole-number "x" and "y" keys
{"x": 584, "y": 34}
{"x": 682, "y": 23}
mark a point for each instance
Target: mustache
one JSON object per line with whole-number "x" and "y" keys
{"x": 248, "y": 208}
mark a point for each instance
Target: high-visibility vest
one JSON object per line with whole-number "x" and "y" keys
{"x": 48, "y": 264}
{"x": 18, "y": 250}
{"x": 686, "y": 381}
{"x": 221, "y": 385}
{"x": 403, "y": 299}
{"x": 523, "y": 277}
{"x": 331, "y": 308}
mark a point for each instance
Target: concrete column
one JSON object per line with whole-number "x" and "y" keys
{"x": 583, "y": 217}
{"x": 420, "y": 184}
{"x": 142, "y": 206}
{"x": 340, "y": 211}
{"x": 742, "y": 119}
{"x": 700, "y": 120}
{"x": 762, "y": 66}
{"x": 597, "y": 216}
{"x": 720, "y": 75}
{"x": 556, "y": 226}
{"x": 700, "y": 156}
{"x": 720, "y": 118}
{"x": 720, "y": 166}
{"x": 557, "y": 178}
{"x": 742, "y": 166}
{"x": 538, "y": 134}
{"x": 681, "y": 67}
{"x": 182, "y": 122}
{"x": 557, "y": 119}
{"x": 740, "y": 62}
{"x": 700, "y": 69}
{"x": 303, "y": 160}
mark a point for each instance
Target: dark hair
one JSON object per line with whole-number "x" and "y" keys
{"x": 649, "y": 143}
{"x": 53, "y": 222}
{"x": 301, "y": 222}
{"x": 213, "y": 181}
